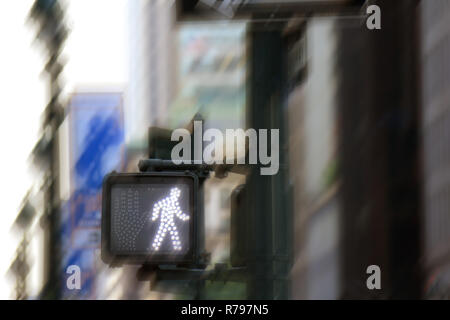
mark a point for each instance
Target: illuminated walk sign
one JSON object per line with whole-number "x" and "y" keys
{"x": 149, "y": 218}
{"x": 169, "y": 207}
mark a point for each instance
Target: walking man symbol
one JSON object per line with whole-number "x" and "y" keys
{"x": 166, "y": 209}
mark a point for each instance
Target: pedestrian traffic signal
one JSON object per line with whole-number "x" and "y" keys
{"x": 149, "y": 218}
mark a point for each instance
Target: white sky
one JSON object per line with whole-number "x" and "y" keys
{"x": 96, "y": 52}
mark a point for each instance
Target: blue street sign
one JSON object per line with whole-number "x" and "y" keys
{"x": 96, "y": 148}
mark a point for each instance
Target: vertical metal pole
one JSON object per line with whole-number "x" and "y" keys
{"x": 269, "y": 229}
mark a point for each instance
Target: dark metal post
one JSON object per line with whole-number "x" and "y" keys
{"x": 269, "y": 227}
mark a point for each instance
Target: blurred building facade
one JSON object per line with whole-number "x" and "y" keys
{"x": 313, "y": 127}
{"x": 357, "y": 174}
{"x": 435, "y": 99}
{"x": 153, "y": 66}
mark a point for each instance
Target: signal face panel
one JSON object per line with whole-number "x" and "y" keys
{"x": 151, "y": 218}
